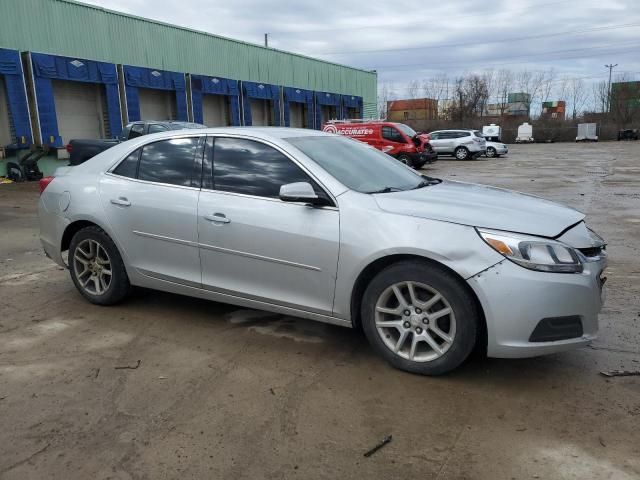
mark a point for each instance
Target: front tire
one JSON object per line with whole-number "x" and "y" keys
{"x": 96, "y": 267}
{"x": 406, "y": 160}
{"x": 420, "y": 318}
{"x": 461, "y": 153}
{"x": 491, "y": 152}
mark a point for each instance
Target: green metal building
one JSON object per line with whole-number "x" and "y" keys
{"x": 87, "y": 71}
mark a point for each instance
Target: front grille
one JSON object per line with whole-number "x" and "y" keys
{"x": 592, "y": 251}
{"x": 557, "y": 328}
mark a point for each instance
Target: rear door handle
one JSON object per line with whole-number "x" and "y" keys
{"x": 121, "y": 201}
{"x": 217, "y": 218}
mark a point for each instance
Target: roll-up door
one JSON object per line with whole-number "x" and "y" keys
{"x": 215, "y": 111}
{"x": 329, "y": 112}
{"x": 78, "y": 110}
{"x": 5, "y": 123}
{"x": 157, "y": 104}
{"x": 261, "y": 112}
{"x": 297, "y": 115}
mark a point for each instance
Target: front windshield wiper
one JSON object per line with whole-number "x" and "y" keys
{"x": 427, "y": 181}
{"x": 386, "y": 190}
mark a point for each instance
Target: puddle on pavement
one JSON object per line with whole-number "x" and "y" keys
{"x": 279, "y": 326}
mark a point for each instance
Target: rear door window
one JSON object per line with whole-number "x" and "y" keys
{"x": 169, "y": 161}
{"x": 129, "y": 166}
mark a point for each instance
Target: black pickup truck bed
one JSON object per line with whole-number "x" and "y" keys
{"x": 82, "y": 150}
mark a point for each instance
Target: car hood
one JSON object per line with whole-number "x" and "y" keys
{"x": 482, "y": 206}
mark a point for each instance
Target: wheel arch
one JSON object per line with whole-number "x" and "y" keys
{"x": 379, "y": 264}
{"x": 77, "y": 225}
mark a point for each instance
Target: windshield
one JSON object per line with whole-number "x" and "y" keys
{"x": 357, "y": 165}
{"x": 406, "y": 129}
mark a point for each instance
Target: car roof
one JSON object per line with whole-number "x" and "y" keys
{"x": 258, "y": 132}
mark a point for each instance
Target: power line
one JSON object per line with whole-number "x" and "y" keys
{"x": 488, "y": 42}
{"x": 427, "y": 21}
{"x": 487, "y": 62}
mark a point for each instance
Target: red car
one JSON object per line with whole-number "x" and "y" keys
{"x": 396, "y": 139}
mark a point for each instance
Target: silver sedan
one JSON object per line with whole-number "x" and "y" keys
{"x": 327, "y": 228}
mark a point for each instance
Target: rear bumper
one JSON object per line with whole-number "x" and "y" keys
{"x": 515, "y": 300}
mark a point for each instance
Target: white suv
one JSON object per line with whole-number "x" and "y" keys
{"x": 462, "y": 144}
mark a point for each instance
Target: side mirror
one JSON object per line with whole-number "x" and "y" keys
{"x": 299, "y": 192}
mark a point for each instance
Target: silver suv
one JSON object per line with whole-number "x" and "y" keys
{"x": 462, "y": 144}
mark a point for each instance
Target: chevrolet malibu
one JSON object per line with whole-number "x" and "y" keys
{"x": 326, "y": 228}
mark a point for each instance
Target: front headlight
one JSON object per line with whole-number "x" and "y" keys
{"x": 533, "y": 253}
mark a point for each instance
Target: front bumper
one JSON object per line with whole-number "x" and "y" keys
{"x": 515, "y": 300}
{"x": 418, "y": 160}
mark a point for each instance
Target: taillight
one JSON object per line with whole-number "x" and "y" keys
{"x": 44, "y": 183}
{"x": 68, "y": 147}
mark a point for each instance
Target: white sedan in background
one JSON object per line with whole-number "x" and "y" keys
{"x": 495, "y": 149}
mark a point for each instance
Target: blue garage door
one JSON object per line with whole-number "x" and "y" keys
{"x": 352, "y": 107}
{"x": 140, "y": 78}
{"x": 19, "y": 133}
{"x": 48, "y": 69}
{"x": 225, "y": 90}
{"x": 327, "y": 106}
{"x": 298, "y": 107}
{"x": 261, "y": 104}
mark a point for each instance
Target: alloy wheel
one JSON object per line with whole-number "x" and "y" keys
{"x": 92, "y": 267}
{"x": 415, "y": 321}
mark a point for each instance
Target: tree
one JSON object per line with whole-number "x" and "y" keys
{"x": 503, "y": 84}
{"x": 437, "y": 88}
{"x": 413, "y": 90}
{"x": 577, "y": 96}
{"x": 530, "y": 82}
{"x": 385, "y": 94}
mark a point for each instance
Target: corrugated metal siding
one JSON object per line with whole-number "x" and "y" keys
{"x": 64, "y": 27}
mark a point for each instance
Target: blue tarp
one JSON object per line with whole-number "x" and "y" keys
{"x": 352, "y": 101}
{"x": 11, "y": 70}
{"x": 48, "y": 67}
{"x": 202, "y": 85}
{"x": 141, "y": 77}
{"x": 262, "y": 91}
{"x": 325, "y": 98}
{"x": 298, "y": 95}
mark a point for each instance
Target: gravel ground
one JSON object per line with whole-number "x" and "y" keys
{"x": 220, "y": 392}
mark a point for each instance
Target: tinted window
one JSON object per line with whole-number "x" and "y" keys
{"x": 168, "y": 161}
{"x": 478, "y": 133}
{"x": 392, "y": 134}
{"x": 128, "y": 166}
{"x": 137, "y": 130}
{"x": 462, "y": 134}
{"x": 435, "y": 136}
{"x": 156, "y": 128}
{"x": 252, "y": 168}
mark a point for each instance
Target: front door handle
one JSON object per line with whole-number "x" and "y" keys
{"x": 217, "y": 218}
{"x": 121, "y": 201}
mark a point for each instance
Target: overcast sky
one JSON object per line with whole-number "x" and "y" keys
{"x": 407, "y": 40}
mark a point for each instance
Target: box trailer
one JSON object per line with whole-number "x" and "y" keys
{"x": 492, "y": 132}
{"x": 525, "y": 133}
{"x": 587, "y": 132}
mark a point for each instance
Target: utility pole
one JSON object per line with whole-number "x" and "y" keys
{"x": 610, "y": 67}
{"x": 266, "y": 40}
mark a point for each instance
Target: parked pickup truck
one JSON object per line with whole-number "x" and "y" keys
{"x": 82, "y": 150}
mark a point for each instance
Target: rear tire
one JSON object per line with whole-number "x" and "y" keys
{"x": 461, "y": 153}
{"x": 440, "y": 331}
{"x": 96, "y": 267}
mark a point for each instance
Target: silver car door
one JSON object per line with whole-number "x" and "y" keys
{"x": 438, "y": 141}
{"x": 256, "y": 246}
{"x": 151, "y": 200}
